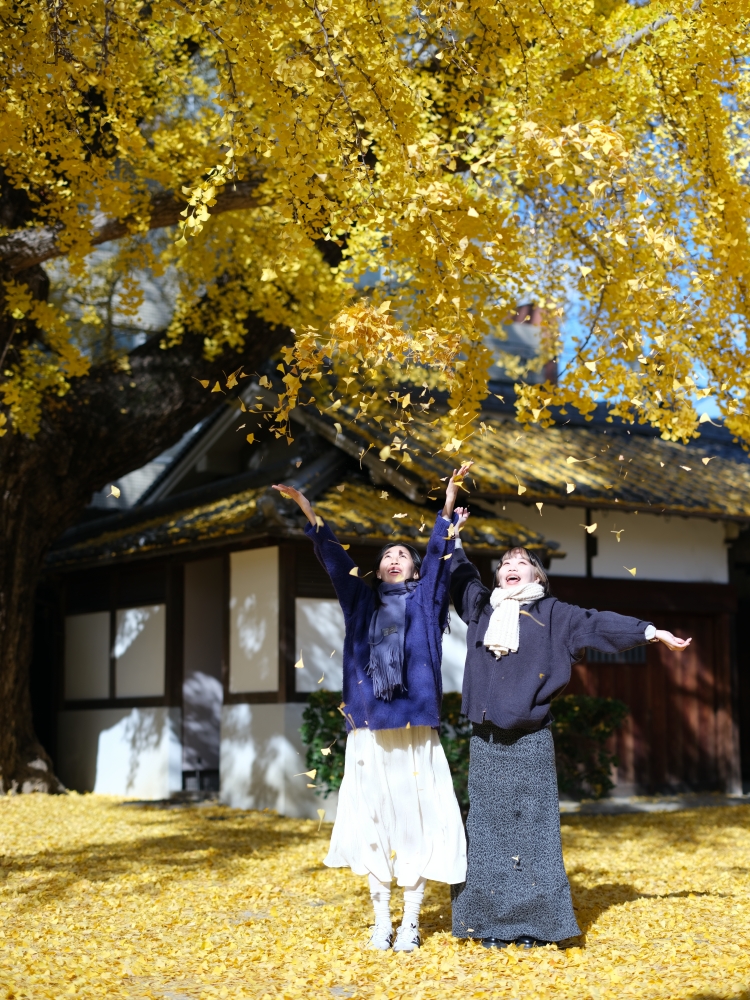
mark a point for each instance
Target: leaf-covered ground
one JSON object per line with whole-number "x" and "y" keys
{"x": 104, "y": 899}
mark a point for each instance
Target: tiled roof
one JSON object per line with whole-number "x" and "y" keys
{"x": 358, "y": 513}
{"x": 614, "y": 469}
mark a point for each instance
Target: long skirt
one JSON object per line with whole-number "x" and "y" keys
{"x": 516, "y": 883}
{"x": 397, "y": 814}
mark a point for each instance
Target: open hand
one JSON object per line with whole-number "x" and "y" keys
{"x": 671, "y": 641}
{"x": 463, "y": 517}
{"x": 454, "y": 484}
{"x": 300, "y": 499}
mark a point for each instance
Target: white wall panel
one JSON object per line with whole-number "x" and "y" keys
{"x": 87, "y": 656}
{"x": 262, "y": 757}
{"x": 254, "y": 620}
{"x": 558, "y": 524}
{"x": 454, "y": 654}
{"x": 319, "y": 628}
{"x": 140, "y": 639}
{"x": 121, "y": 751}
{"x": 660, "y": 548}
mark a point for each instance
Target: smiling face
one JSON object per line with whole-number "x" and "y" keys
{"x": 396, "y": 565}
{"x": 515, "y": 570}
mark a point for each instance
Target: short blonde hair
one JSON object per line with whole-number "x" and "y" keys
{"x": 536, "y": 562}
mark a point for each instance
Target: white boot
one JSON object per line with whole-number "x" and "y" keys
{"x": 407, "y": 938}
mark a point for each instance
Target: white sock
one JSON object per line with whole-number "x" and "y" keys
{"x": 413, "y": 897}
{"x": 380, "y": 894}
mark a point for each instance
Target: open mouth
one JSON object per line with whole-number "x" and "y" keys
{"x": 512, "y": 578}
{"x": 395, "y": 571}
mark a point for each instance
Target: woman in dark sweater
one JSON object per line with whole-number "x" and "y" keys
{"x": 397, "y": 813}
{"x": 521, "y": 644}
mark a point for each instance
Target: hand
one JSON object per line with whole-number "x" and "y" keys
{"x": 300, "y": 499}
{"x": 463, "y": 516}
{"x": 671, "y": 641}
{"x": 451, "y": 491}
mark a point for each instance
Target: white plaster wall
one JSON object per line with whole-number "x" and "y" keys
{"x": 254, "y": 620}
{"x": 262, "y": 757}
{"x": 660, "y": 548}
{"x": 121, "y": 751}
{"x": 558, "y": 524}
{"x": 454, "y": 654}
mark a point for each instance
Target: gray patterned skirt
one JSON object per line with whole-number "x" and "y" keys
{"x": 516, "y": 882}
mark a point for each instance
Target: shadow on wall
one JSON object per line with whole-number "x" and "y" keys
{"x": 262, "y": 760}
{"x": 202, "y": 697}
{"x": 133, "y": 752}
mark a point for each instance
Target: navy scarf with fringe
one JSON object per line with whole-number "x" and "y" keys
{"x": 387, "y": 629}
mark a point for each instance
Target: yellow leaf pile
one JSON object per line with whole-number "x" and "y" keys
{"x": 102, "y": 898}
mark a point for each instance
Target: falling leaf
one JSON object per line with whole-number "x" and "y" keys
{"x": 406, "y": 401}
{"x": 321, "y": 814}
{"x": 584, "y": 270}
{"x": 382, "y": 309}
{"x": 400, "y": 515}
{"x": 217, "y": 388}
{"x": 591, "y": 528}
{"x": 264, "y": 381}
{"x": 333, "y": 653}
{"x": 241, "y": 426}
{"x": 570, "y": 460}
{"x": 687, "y": 468}
{"x": 521, "y": 489}
{"x": 393, "y": 854}
{"x": 323, "y": 677}
{"x": 341, "y": 488}
{"x": 307, "y": 774}
{"x": 707, "y": 460}
{"x": 354, "y": 571}
{"x": 345, "y": 546}
{"x": 705, "y": 419}
{"x": 618, "y": 533}
{"x": 448, "y": 556}
{"x": 325, "y": 751}
{"x": 631, "y": 571}
{"x": 299, "y": 665}
{"x": 250, "y": 439}
{"x": 311, "y": 786}
{"x": 384, "y": 495}
{"x": 203, "y": 381}
{"x": 384, "y": 453}
{"x": 591, "y": 365}
{"x": 539, "y": 508}
{"x": 569, "y": 487}
{"x": 114, "y": 491}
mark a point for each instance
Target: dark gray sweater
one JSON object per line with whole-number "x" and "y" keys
{"x": 515, "y": 691}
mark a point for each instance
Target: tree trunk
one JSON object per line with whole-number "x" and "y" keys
{"x": 109, "y": 423}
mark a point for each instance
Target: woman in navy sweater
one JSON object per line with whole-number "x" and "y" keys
{"x": 521, "y": 644}
{"x": 397, "y": 813}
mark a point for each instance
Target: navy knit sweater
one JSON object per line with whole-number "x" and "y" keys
{"x": 515, "y": 691}
{"x": 426, "y": 616}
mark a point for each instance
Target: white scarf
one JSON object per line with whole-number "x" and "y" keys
{"x": 502, "y": 631}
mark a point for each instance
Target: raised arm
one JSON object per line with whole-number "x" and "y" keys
{"x": 350, "y": 588}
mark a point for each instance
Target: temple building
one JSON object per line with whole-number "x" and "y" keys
{"x": 170, "y": 621}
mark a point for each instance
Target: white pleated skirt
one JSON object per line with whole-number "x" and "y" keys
{"x": 397, "y": 814}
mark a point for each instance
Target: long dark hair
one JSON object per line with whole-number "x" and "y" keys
{"x": 535, "y": 561}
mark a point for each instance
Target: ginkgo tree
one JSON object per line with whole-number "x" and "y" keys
{"x": 370, "y": 184}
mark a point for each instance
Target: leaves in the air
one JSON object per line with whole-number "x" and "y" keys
{"x": 114, "y": 491}
{"x": 631, "y": 571}
{"x": 591, "y": 528}
{"x": 300, "y": 665}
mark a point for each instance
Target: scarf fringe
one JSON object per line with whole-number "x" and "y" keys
{"x": 386, "y": 672}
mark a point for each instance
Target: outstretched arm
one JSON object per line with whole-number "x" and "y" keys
{"x": 345, "y": 578}
{"x": 300, "y": 499}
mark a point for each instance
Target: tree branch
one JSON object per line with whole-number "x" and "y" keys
{"x": 600, "y": 57}
{"x": 27, "y": 247}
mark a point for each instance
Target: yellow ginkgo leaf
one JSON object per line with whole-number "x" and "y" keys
{"x": 400, "y": 515}
{"x": 250, "y": 440}
{"x": 631, "y": 571}
{"x": 354, "y": 571}
{"x": 707, "y": 460}
{"x": 114, "y": 491}
{"x": 321, "y": 814}
{"x": 539, "y": 507}
{"x": 569, "y": 487}
{"x": 591, "y": 528}
{"x": 299, "y": 665}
